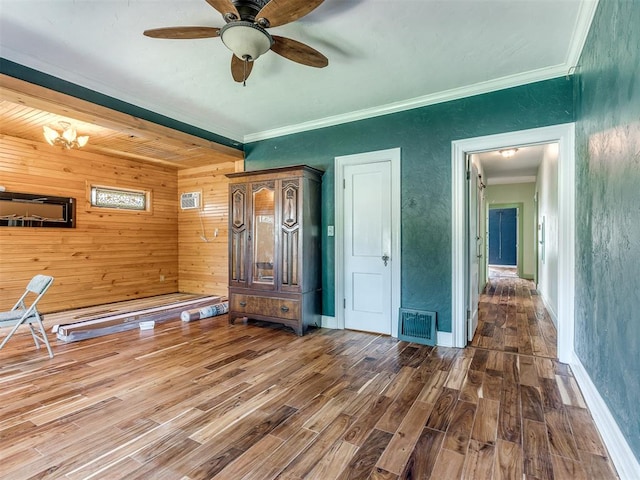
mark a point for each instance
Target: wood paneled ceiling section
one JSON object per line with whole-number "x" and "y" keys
{"x": 25, "y": 108}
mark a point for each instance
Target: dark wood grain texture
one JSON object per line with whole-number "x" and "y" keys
{"x": 209, "y": 400}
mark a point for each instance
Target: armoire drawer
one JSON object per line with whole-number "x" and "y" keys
{"x": 267, "y": 306}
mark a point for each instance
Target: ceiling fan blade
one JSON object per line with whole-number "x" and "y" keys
{"x": 279, "y": 12}
{"x": 183, "y": 32}
{"x": 226, "y": 8}
{"x": 240, "y": 69}
{"x": 298, "y": 52}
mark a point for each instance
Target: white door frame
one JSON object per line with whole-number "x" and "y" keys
{"x": 564, "y": 134}
{"x": 393, "y": 156}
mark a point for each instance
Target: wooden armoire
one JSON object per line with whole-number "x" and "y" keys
{"x": 274, "y": 246}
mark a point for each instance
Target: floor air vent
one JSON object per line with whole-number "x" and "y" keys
{"x": 417, "y": 326}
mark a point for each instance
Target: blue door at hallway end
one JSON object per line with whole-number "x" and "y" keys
{"x": 503, "y": 224}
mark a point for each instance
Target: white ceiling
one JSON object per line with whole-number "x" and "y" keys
{"x": 521, "y": 168}
{"x": 384, "y": 56}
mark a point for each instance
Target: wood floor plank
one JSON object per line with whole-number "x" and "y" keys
{"x": 363, "y": 463}
{"x": 472, "y": 386}
{"x": 380, "y": 474}
{"x": 396, "y": 412}
{"x": 458, "y": 373}
{"x": 282, "y": 456}
{"x": 537, "y": 458}
{"x": 423, "y": 459}
{"x": 567, "y": 469}
{"x": 255, "y": 402}
{"x": 395, "y": 456}
{"x": 551, "y": 398}
{"x": 305, "y": 461}
{"x": 333, "y": 462}
{"x": 459, "y": 431}
{"x": 485, "y": 426}
{"x": 479, "y": 461}
{"x": 443, "y": 409}
{"x": 569, "y": 391}
{"x": 508, "y": 461}
{"x": 448, "y": 465}
{"x": 433, "y": 387}
{"x": 509, "y": 417}
{"x": 527, "y": 372}
{"x": 360, "y": 430}
{"x": 251, "y": 459}
{"x": 531, "y": 403}
{"x": 585, "y": 432}
{"x": 561, "y": 439}
{"x": 598, "y": 466}
{"x": 492, "y": 385}
{"x": 329, "y": 411}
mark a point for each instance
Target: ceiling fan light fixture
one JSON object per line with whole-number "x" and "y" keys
{"x": 246, "y": 40}
{"x": 508, "y": 152}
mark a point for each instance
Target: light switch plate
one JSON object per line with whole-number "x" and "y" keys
{"x": 330, "y": 231}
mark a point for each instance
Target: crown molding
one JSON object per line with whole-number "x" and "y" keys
{"x": 580, "y": 31}
{"x": 586, "y": 12}
{"x": 423, "y": 101}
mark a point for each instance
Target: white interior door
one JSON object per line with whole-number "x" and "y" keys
{"x": 367, "y": 247}
{"x": 474, "y": 252}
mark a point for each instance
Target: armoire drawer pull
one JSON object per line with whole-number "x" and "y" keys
{"x": 243, "y": 304}
{"x": 284, "y": 308}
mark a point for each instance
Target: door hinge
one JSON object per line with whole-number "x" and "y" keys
{"x": 468, "y": 175}
{"x": 344, "y": 303}
{"x": 344, "y": 183}
{"x": 468, "y": 314}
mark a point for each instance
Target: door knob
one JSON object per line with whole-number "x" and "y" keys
{"x": 385, "y": 259}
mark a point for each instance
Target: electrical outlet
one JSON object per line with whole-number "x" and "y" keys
{"x": 162, "y": 278}
{"x": 330, "y": 231}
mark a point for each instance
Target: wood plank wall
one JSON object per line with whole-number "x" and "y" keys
{"x": 203, "y": 259}
{"x": 111, "y": 255}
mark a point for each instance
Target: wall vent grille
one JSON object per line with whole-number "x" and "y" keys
{"x": 190, "y": 200}
{"x": 418, "y": 326}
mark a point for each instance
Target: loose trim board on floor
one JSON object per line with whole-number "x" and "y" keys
{"x": 105, "y": 325}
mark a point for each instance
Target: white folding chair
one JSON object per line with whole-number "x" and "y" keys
{"x": 20, "y": 314}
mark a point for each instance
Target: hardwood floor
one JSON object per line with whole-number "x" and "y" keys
{"x": 205, "y": 400}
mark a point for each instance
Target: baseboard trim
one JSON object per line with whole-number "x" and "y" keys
{"x": 444, "y": 339}
{"x": 550, "y": 310}
{"x": 621, "y": 455}
{"x": 329, "y": 322}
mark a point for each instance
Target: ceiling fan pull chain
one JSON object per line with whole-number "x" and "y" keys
{"x": 244, "y": 74}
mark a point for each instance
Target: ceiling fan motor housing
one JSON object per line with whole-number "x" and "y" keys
{"x": 248, "y": 9}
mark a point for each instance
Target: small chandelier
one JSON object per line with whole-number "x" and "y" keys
{"x": 68, "y": 139}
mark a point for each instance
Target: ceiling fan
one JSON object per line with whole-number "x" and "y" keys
{"x": 245, "y": 32}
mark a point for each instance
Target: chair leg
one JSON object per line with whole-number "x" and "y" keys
{"x": 34, "y": 335}
{"x": 42, "y": 338}
{"x": 13, "y": 330}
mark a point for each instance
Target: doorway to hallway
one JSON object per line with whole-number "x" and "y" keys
{"x": 564, "y": 136}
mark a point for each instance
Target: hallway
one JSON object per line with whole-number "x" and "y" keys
{"x": 543, "y": 421}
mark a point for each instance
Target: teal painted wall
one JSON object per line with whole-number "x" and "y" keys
{"x": 424, "y": 136}
{"x": 607, "y": 336}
